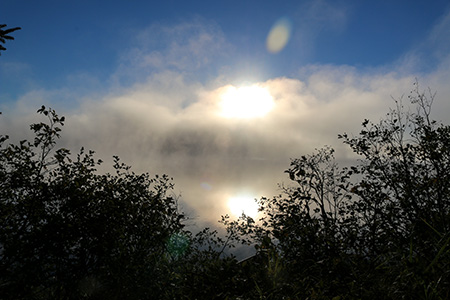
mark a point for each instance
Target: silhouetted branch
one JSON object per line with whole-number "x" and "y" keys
{"x": 4, "y": 35}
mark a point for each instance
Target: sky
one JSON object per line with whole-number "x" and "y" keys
{"x": 219, "y": 95}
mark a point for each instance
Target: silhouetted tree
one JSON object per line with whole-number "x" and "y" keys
{"x": 67, "y": 232}
{"x": 4, "y": 35}
{"x": 403, "y": 200}
{"x": 378, "y": 229}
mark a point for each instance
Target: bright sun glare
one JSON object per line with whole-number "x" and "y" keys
{"x": 243, "y": 204}
{"x": 246, "y": 102}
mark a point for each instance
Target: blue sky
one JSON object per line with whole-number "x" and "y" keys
{"x": 63, "y": 38}
{"x": 143, "y": 79}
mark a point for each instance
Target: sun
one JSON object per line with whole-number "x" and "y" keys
{"x": 243, "y": 204}
{"x": 246, "y": 102}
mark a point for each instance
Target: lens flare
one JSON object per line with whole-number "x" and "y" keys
{"x": 177, "y": 245}
{"x": 279, "y": 35}
{"x": 206, "y": 186}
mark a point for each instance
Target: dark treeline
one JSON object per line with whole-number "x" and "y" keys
{"x": 379, "y": 229}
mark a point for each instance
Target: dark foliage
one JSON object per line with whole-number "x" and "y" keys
{"x": 68, "y": 232}
{"x": 4, "y": 35}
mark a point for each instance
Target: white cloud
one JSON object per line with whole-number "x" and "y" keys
{"x": 432, "y": 52}
{"x": 313, "y": 19}
{"x": 439, "y": 38}
{"x": 321, "y": 14}
{"x": 190, "y": 47}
